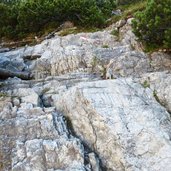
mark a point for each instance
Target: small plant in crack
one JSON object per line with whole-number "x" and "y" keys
{"x": 156, "y": 96}
{"x": 4, "y": 94}
{"x": 115, "y": 32}
{"x": 105, "y": 46}
{"x": 2, "y": 84}
{"x": 146, "y": 84}
{"x": 45, "y": 90}
{"x": 94, "y": 63}
{"x": 132, "y": 46}
{"x": 103, "y": 72}
{"x": 162, "y": 103}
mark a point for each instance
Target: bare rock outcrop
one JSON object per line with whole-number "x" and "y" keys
{"x": 88, "y": 52}
{"x": 70, "y": 118}
{"x": 33, "y": 138}
{"x": 160, "y": 84}
{"x": 122, "y": 122}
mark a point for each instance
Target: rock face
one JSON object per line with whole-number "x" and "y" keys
{"x": 122, "y": 122}
{"x": 89, "y": 52}
{"x": 160, "y": 61}
{"x": 37, "y": 139}
{"x": 160, "y": 84}
{"x": 70, "y": 118}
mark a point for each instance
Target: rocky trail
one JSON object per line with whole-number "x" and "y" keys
{"x": 70, "y": 117}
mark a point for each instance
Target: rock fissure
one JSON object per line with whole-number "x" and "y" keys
{"x": 94, "y": 130}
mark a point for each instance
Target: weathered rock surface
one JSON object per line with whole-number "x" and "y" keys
{"x": 160, "y": 61}
{"x": 67, "y": 118}
{"x": 122, "y": 122}
{"x": 36, "y": 139}
{"x": 90, "y": 52}
{"x": 160, "y": 84}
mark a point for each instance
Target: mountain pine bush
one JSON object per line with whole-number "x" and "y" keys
{"x": 126, "y": 2}
{"x": 20, "y": 17}
{"x": 153, "y": 25}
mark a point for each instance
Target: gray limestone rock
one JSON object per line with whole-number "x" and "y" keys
{"x": 71, "y": 53}
{"x": 122, "y": 122}
{"x": 34, "y": 138}
{"x": 68, "y": 119}
{"x": 160, "y": 84}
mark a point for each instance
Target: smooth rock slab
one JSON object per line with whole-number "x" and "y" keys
{"x": 122, "y": 122}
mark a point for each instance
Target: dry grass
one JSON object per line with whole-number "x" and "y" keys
{"x": 128, "y": 11}
{"x": 76, "y": 30}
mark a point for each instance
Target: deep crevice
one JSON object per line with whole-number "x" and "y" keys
{"x": 87, "y": 149}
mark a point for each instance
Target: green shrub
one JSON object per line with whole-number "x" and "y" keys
{"x": 115, "y": 32}
{"x": 153, "y": 25}
{"x": 20, "y": 17}
{"x": 8, "y": 20}
{"x": 126, "y": 2}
